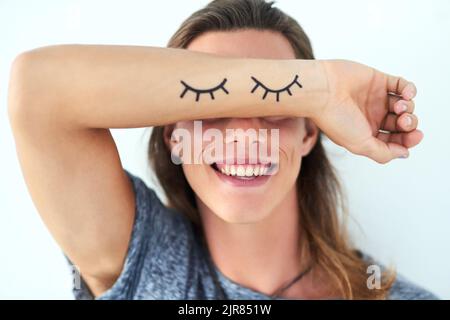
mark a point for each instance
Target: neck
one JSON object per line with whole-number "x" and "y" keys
{"x": 262, "y": 256}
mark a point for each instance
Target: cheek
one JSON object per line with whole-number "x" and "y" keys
{"x": 194, "y": 178}
{"x": 194, "y": 173}
{"x": 198, "y": 177}
{"x": 291, "y": 145}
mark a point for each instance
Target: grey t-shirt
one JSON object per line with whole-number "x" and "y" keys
{"x": 167, "y": 260}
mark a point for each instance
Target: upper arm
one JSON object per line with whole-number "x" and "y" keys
{"x": 74, "y": 176}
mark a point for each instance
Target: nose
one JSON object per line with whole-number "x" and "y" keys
{"x": 240, "y": 129}
{"x": 244, "y": 123}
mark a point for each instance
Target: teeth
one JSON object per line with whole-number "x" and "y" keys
{"x": 240, "y": 171}
{"x": 244, "y": 171}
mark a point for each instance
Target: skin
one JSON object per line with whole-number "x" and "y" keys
{"x": 58, "y": 95}
{"x": 233, "y": 216}
{"x": 248, "y": 216}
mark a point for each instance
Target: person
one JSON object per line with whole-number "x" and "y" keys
{"x": 231, "y": 228}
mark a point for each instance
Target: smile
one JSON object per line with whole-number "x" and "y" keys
{"x": 244, "y": 174}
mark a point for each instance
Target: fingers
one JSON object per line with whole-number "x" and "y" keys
{"x": 401, "y": 87}
{"x": 405, "y": 122}
{"x": 388, "y": 146}
{"x": 383, "y": 152}
{"x": 407, "y": 139}
{"x": 398, "y": 105}
{"x": 399, "y": 126}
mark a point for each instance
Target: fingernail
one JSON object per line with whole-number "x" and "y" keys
{"x": 408, "y": 121}
{"x": 403, "y": 107}
{"x": 409, "y": 94}
{"x": 405, "y": 156}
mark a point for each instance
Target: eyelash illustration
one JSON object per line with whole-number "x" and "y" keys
{"x": 277, "y": 92}
{"x": 198, "y": 92}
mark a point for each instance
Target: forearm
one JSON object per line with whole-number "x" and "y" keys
{"x": 102, "y": 86}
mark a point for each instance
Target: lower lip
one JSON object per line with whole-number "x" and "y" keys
{"x": 258, "y": 181}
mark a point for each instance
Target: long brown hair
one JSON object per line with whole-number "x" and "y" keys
{"x": 322, "y": 209}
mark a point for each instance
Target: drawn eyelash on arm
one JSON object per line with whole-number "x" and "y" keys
{"x": 277, "y": 92}
{"x": 198, "y": 92}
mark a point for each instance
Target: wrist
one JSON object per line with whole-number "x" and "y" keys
{"x": 315, "y": 93}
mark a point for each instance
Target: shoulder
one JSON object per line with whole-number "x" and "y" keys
{"x": 402, "y": 288}
{"x": 148, "y": 206}
{"x": 156, "y": 224}
{"x": 160, "y": 241}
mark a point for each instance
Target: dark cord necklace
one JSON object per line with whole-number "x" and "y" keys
{"x": 280, "y": 291}
{"x": 222, "y": 295}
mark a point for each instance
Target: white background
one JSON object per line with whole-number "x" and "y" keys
{"x": 402, "y": 209}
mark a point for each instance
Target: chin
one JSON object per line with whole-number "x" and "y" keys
{"x": 242, "y": 213}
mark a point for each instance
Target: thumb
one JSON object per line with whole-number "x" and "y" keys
{"x": 383, "y": 152}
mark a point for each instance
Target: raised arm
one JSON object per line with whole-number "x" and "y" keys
{"x": 63, "y": 99}
{"x": 100, "y": 86}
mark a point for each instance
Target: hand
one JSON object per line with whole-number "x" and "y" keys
{"x": 362, "y": 102}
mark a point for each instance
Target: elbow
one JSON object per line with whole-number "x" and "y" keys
{"x": 20, "y": 89}
{"x": 28, "y": 91}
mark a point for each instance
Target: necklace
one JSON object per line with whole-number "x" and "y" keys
{"x": 280, "y": 291}
{"x": 223, "y": 295}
